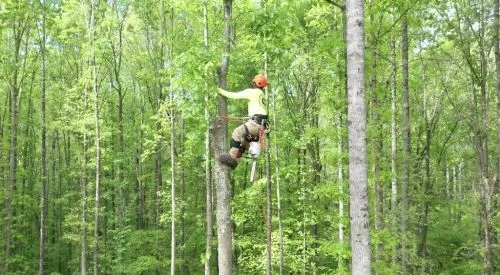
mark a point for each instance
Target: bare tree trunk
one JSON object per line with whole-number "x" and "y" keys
{"x": 223, "y": 183}
{"x": 116, "y": 83}
{"x": 406, "y": 145}
{"x": 376, "y": 142}
{"x": 141, "y": 213}
{"x": 83, "y": 260}
{"x": 43, "y": 148}
{"x": 20, "y": 30}
{"x": 208, "y": 168}
{"x": 182, "y": 194}
{"x": 487, "y": 190}
{"x": 268, "y": 179}
{"x": 496, "y": 184}
{"x": 173, "y": 209}
{"x": 394, "y": 175}
{"x": 340, "y": 179}
{"x": 302, "y": 180}
{"x": 95, "y": 91}
{"x": 422, "y": 246}
{"x": 278, "y": 195}
{"x": 358, "y": 182}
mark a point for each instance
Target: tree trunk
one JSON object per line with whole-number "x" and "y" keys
{"x": 172, "y": 115}
{"x": 43, "y": 161}
{"x": 358, "y": 182}
{"x": 116, "y": 83}
{"x": 141, "y": 212}
{"x": 406, "y": 145}
{"x": 278, "y": 195}
{"x": 95, "y": 90}
{"x": 208, "y": 168}
{"x": 376, "y": 142}
{"x": 496, "y": 31}
{"x": 340, "y": 179}
{"x": 422, "y": 246}
{"x": 15, "y": 96}
{"x": 83, "y": 260}
{"x": 394, "y": 174}
{"x": 268, "y": 180}
{"x": 223, "y": 183}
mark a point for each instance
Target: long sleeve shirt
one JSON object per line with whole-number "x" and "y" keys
{"x": 255, "y": 99}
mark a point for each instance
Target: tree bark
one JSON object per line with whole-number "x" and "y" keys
{"x": 208, "y": 168}
{"x": 19, "y": 32}
{"x": 358, "y": 182}
{"x": 83, "y": 260}
{"x": 406, "y": 145}
{"x": 278, "y": 195}
{"x": 394, "y": 174}
{"x": 340, "y": 179}
{"x": 496, "y": 31}
{"x": 172, "y": 116}
{"x": 268, "y": 179}
{"x": 376, "y": 141}
{"x": 43, "y": 148}
{"x": 422, "y": 246}
{"x": 116, "y": 83}
{"x": 223, "y": 183}
{"x": 95, "y": 90}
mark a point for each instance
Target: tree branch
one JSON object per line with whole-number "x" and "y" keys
{"x": 340, "y": 6}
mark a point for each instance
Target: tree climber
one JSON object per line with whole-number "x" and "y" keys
{"x": 251, "y": 129}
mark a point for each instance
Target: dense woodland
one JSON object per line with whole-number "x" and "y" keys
{"x": 107, "y": 160}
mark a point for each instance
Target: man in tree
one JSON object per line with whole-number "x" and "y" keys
{"x": 251, "y": 129}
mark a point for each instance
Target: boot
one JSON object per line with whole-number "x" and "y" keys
{"x": 228, "y": 160}
{"x": 231, "y": 159}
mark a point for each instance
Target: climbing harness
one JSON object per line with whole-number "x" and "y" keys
{"x": 255, "y": 142}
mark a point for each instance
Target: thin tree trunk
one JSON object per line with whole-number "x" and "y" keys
{"x": 268, "y": 179}
{"x": 172, "y": 115}
{"x": 340, "y": 179}
{"x": 182, "y": 194}
{"x": 223, "y": 183}
{"x": 406, "y": 145}
{"x": 278, "y": 195}
{"x": 422, "y": 247}
{"x": 83, "y": 260}
{"x": 2, "y": 171}
{"x": 358, "y": 182}
{"x": 172, "y": 148}
{"x": 95, "y": 90}
{"x": 487, "y": 186}
{"x": 116, "y": 83}
{"x": 394, "y": 175}
{"x": 376, "y": 142}
{"x": 208, "y": 168}
{"x": 141, "y": 197}
{"x": 302, "y": 180}
{"x": 15, "y": 96}
{"x": 43, "y": 162}
{"x": 496, "y": 184}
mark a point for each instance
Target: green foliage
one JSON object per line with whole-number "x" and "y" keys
{"x": 305, "y": 48}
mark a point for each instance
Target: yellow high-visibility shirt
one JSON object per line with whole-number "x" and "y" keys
{"x": 255, "y": 99}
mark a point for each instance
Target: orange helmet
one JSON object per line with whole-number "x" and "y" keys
{"x": 260, "y": 81}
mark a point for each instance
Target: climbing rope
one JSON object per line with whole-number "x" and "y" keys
{"x": 234, "y": 118}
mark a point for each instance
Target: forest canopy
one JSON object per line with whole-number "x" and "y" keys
{"x": 107, "y": 161}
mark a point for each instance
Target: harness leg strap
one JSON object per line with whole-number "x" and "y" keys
{"x": 237, "y": 145}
